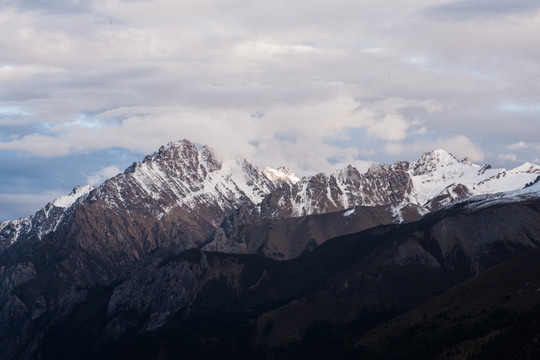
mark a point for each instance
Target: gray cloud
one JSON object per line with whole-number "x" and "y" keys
{"x": 51, "y": 6}
{"x": 471, "y": 9}
{"x": 346, "y": 82}
{"x": 15, "y": 206}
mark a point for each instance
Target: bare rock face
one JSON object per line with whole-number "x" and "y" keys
{"x": 245, "y": 232}
{"x": 177, "y": 182}
{"x": 180, "y": 195}
{"x": 183, "y": 177}
{"x": 160, "y": 286}
{"x": 342, "y": 190}
{"x": 177, "y": 196}
{"x": 451, "y": 194}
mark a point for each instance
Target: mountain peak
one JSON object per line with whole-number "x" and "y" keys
{"x": 375, "y": 168}
{"x": 527, "y": 167}
{"x": 349, "y": 173}
{"x": 281, "y": 175}
{"x": 432, "y": 160}
{"x": 441, "y": 155}
{"x": 182, "y": 144}
{"x": 183, "y": 148}
{"x": 66, "y": 201}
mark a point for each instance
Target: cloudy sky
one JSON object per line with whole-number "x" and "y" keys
{"x": 89, "y": 86}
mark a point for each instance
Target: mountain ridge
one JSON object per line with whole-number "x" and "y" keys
{"x": 129, "y": 245}
{"x": 180, "y": 176}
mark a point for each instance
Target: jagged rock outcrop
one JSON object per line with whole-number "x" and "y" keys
{"x": 397, "y": 193}
{"x": 341, "y": 190}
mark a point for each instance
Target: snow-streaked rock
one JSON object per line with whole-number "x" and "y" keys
{"x": 68, "y": 200}
{"x": 43, "y": 221}
{"x": 436, "y": 179}
{"x": 184, "y": 184}
{"x": 178, "y": 178}
{"x": 281, "y": 175}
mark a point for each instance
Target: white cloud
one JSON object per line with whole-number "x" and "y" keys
{"x": 102, "y": 175}
{"x": 385, "y": 120}
{"x": 518, "y": 146}
{"x": 460, "y": 146}
{"x": 271, "y": 51}
{"x": 37, "y": 144}
{"x": 15, "y": 206}
{"x": 392, "y": 128}
{"x": 299, "y": 135}
{"x": 522, "y": 145}
{"x": 508, "y": 157}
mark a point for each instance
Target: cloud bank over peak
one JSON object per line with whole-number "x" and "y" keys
{"x": 309, "y": 85}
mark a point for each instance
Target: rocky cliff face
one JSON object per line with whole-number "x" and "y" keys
{"x": 178, "y": 184}
{"x": 341, "y": 190}
{"x": 402, "y": 192}
{"x": 43, "y": 222}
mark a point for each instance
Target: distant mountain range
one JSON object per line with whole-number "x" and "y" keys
{"x": 169, "y": 256}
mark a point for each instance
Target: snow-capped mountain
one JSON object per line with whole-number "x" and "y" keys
{"x": 439, "y": 179}
{"x": 180, "y": 176}
{"x": 530, "y": 192}
{"x": 181, "y": 194}
{"x": 42, "y": 222}
{"x": 411, "y": 189}
{"x": 178, "y": 188}
{"x": 281, "y": 175}
{"x": 107, "y": 263}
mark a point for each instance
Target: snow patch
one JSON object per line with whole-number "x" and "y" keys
{"x": 349, "y": 212}
{"x": 396, "y": 213}
{"x": 281, "y": 175}
{"x": 66, "y": 201}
